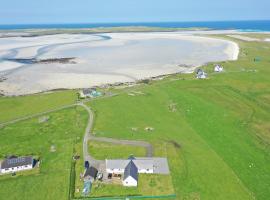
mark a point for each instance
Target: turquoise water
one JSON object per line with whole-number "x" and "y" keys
{"x": 252, "y": 26}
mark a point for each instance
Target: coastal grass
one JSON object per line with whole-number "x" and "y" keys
{"x": 16, "y": 107}
{"x": 104, "y": 150}
{"x": 215, "y": 132}
{"x": 63, "y": 131}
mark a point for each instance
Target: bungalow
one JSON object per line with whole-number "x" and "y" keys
{"x": 133, "y": 166}
{"x": 218, "y": 68}
{"x": 201, "y": 74}
{"x": 15, "y": 164}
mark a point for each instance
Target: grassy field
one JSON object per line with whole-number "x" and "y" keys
{"x": 104, "y": 150}
{"x": 15, "y": 107}
{"x": 64, "y": 131}
{"x": 215, "y": 132}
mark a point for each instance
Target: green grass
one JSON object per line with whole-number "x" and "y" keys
{"x": 64, "y": 130}
{"x": 148, "y": 185}
{"x": 15, "y": 107}
{"x": 215, "y": 133}
{"x": 221, "y": 125}
{"x": 104, "y": 150}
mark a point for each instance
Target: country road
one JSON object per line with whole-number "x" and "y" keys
{"x": 89, "y": 136}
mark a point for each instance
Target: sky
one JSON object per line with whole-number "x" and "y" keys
{"x": 108, "y": 11}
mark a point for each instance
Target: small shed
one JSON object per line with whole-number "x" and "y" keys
{"x": 90, "y": 174}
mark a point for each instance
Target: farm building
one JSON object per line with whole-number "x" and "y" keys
{"x": 140, "y": 165}
{"x": 201, "y": 74}
{"x": 15, "y": 164}
{"x": 218, "y": 68}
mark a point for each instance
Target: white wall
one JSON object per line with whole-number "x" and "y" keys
{"x": 145, "y": 171}
{"x": 115, "y": 171}
{"x": 16, "y": 169}
{"x": 130, "y": 182}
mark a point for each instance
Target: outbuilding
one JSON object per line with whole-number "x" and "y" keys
{"x": 90, "y": 174}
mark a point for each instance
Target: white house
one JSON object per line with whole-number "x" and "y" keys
{"x": 218, "y": 68}
{"x": 10, "y": 165}
{"x": 201, "y": 74}
{"x": 130, "y": 175}
{"x": 140, "y": 165}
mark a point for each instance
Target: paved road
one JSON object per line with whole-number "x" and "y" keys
{"x": 146, "y": 145}
{"x": 86, "y": 138}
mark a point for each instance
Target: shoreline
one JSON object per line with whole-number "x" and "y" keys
{"x": 42, "y": 77}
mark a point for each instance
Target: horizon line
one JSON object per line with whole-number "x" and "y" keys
{"x": 134, "y": 22}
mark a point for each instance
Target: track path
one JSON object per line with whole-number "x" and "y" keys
{"x": 88, "y": 134}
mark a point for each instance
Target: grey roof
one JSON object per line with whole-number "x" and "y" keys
{"x": 141, "y": 163}
{"x": 131, "y": 170}
{"x": 161, "y": 166}
{"x": 91, "y": 171}
{"x": 144, "y": 163}
{"x": 116, "y": 164}
{"x": 16, "y": 162}
{"x": 87, "y": 91}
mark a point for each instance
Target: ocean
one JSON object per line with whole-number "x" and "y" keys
{"x": 252, "y": 26}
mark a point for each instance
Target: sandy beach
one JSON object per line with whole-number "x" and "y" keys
{"x": 104, "y": 58}
{"x": 245, "y": 38}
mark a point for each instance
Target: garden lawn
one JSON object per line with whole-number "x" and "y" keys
{"x": 104, "y": 150}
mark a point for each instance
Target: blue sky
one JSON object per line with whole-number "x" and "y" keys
{"x": 96, "y": 11}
